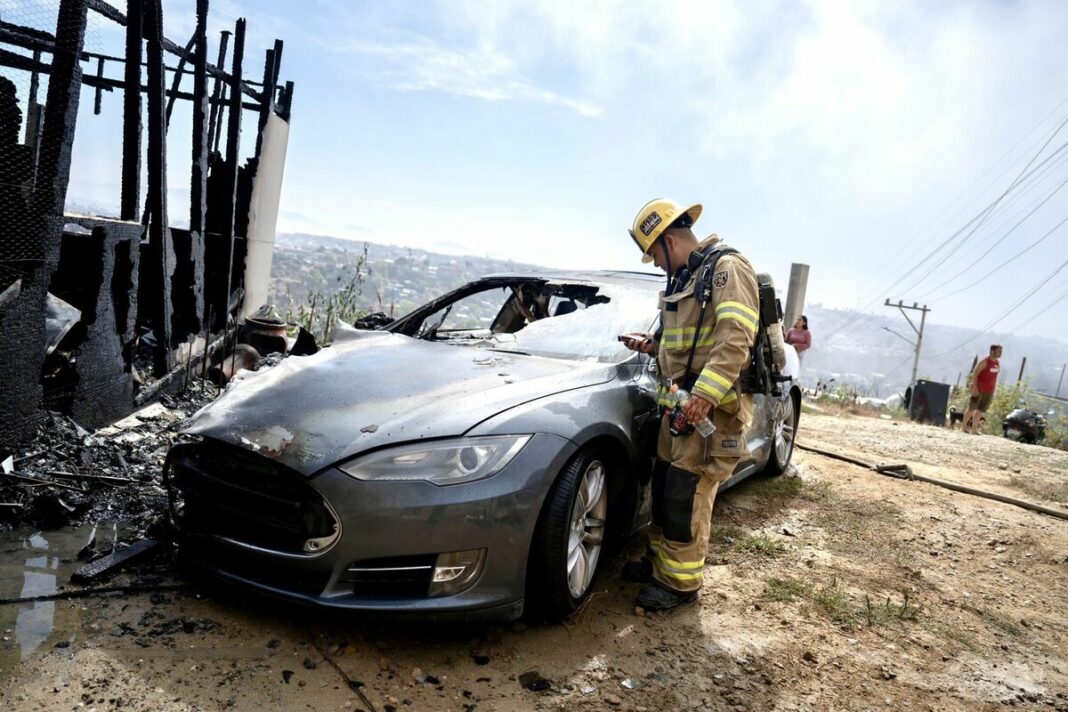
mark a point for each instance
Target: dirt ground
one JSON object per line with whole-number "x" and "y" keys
{"x": 832, "y": 589}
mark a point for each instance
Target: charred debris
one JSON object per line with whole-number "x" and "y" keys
{"x": 116, "y": 328}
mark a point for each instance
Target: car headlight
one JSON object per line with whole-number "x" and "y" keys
{"x": 445, "y": 462}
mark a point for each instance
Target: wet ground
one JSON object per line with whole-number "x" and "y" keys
{"x": 832, "y": 589}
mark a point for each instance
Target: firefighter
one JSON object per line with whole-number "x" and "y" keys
{"x": 700, "y": 348}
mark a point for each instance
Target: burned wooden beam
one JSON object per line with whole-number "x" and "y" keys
{"x": 115, "y": 15}
{"x": 213, "y": 126}
{"x": 99, "y": 92}
{"x": 161, "y": 257}
{"x": 285, "y": 101}
{"x": 233, "y": 146}
{"x": 198, "y": 206}
{"x": 176, "y": 80}
{"x": 39, "y": 41}
{"x": 199, "y": 181}
{"x": 131, "y": 116}
{"x": 268, "y": 100}
{"x": 34, "y": 79}
{"x": 61, "y": 113}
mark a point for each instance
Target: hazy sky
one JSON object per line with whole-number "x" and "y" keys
{"x": 852, "y": 136}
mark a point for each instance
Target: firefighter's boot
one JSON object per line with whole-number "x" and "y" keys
{"x": 657, "y": 598}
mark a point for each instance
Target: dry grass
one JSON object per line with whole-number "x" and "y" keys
{"x": 1051, "y": 491}
{"x": 831, "y": 601}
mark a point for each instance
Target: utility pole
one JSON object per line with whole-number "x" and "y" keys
{"x": 1061, "y": 380}
{"x": 918, "y": 344}
{"x": 1022, "y": 365}
{"x": 795, "y": 296}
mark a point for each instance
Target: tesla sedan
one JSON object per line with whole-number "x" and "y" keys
{"x": 479, "y": 457}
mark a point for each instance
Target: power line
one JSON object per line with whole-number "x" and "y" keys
{"x": 864, "y": 320}
{"x": 1020, "y": 302}
{"x": 989, "y": 169}
{"x": 998, "y": 241}
{"x": 919, "y": 234}
{"x": 1055, "y": 302}
{"x": 980, "y": 218}
{"x": 1019, "y": 254}
{"x": 984, "y": 217}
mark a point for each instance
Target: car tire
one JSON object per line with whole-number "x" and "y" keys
{"x": 784, "y": 431}
{"x": 568, "y": 543}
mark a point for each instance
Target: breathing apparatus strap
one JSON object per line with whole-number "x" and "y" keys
{"x": 703, "y": 265}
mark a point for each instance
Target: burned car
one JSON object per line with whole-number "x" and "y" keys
{"x": 481, "y": 455}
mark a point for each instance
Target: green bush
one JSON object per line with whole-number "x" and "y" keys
{"x": 320, "y": 314}
{"x": 1006, "y": 398}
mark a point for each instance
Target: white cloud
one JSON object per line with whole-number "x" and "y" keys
{"x": 424, "y": 65}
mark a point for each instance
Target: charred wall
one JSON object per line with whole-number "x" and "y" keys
{"x": 144, "y": 294}
{"x": 97, "y": 267}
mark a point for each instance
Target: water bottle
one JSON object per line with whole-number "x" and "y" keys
{"x": 679, "y": 424}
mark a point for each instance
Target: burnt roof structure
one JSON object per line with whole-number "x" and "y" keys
{"x": 99, "y": 314}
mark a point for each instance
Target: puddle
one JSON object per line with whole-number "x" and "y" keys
{"x": 39, "y": 563}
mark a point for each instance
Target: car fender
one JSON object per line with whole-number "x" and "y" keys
{"x": 580, "y": 415}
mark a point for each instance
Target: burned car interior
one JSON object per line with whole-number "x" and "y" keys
{"x": 520, "y": 302}
{"x": 534, "y": 316}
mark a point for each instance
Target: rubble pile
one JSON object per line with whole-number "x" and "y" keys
{"x": 67, "y": 475}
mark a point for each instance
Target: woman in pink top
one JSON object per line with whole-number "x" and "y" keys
{"x": 799, "y": 336}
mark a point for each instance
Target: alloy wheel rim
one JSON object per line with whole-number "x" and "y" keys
{"x": 784, "y": 432}
{"x": 586, "y": 532}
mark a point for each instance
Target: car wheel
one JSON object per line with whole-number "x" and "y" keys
{"x": 783, "y": 432}
{"x": 569, "y": 537}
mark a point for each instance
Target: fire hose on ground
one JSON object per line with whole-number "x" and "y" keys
{"x": 904, "y": 472}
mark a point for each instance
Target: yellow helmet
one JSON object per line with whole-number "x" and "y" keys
{"x": 655, "y": 217}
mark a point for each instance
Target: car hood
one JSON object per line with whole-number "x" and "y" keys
{"x": 309, "y": 412}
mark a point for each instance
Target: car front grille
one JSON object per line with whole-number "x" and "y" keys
{"x": 226, "y": 492}
{"x": 284, "y": 575}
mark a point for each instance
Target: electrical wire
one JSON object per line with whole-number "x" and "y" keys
{"x": 1019, "y": 254}
{"x": 1000, "y": 159}
{"x": 866, "y": 322}
{"x": 1020, "y": 302}
{"x": 1034, "y": 208}
{"x": 1057, "y": 300}
{"x": 978, "y": 220}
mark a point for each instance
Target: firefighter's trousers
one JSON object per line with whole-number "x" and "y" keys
{"x": 684, "y": 484}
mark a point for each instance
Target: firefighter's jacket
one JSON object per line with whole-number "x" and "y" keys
{"x": 727, "y": 334}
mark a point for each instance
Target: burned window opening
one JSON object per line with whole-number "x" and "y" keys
{"x": 186, "y": 294}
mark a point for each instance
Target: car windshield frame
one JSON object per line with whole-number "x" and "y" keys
{"x": 583, "y": 331}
